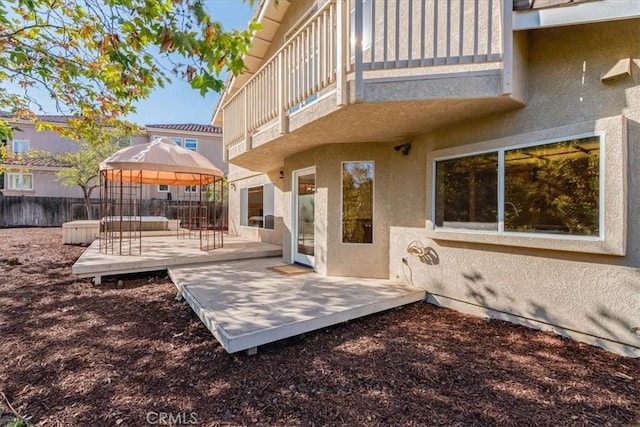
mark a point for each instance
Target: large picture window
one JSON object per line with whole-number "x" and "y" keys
{"x": 357, "y": 202}
{"x": 539, "y": 188}
{"x": 256, "y": 207}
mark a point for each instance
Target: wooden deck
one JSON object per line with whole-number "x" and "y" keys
{"x": 160, "y": 253}
{"x": 245, "y": 305}
{"x": 241, "y": 301}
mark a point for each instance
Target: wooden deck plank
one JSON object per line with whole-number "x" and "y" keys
{"x": 159, "y": 253}
{"x": 245, "y": 305}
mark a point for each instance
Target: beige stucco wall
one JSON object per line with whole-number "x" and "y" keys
{"x": 593, "y": 297}
{"x": 46, "y": 184}
{"x": 43, "y": 141}
{"x": 241, "y": 178}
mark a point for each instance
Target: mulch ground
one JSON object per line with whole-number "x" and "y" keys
{"x": 129, "y": 354}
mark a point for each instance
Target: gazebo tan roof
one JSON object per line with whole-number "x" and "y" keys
{"x": 161, "y": 161}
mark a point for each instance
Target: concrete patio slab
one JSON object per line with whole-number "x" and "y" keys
{"x": 245, "y": 305}
{"x": 159, "y": 253}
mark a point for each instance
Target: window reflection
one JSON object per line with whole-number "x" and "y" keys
{"x": 467, "y": 192}
{"x": 554, "y": 188}
{"x": 357, "y": 202}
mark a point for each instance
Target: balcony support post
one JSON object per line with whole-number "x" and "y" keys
{"x": 359, "y": 82}
{"x": 342, "y": 52}
{"x": 283, "y": 120}
{"x": 246, "y": 131}
{"x": 507, "y": 46}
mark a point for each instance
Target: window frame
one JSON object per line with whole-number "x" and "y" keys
{"x": 501, "y": 189}
{"x": 9, "y": 182}
{"x": 615, "y": 179}
{"x": 373, "y": 203}
{"x": 20, "y": 140}
{"x": 195, "y": 140}
{"x": 187, "y": 189}
{"x": 244, "y": 210}
{"x": 161, "y": 190}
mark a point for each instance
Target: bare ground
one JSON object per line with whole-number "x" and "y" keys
{"x": 74, "y": 354}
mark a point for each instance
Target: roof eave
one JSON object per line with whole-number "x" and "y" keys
{"x": 270, "y": 8}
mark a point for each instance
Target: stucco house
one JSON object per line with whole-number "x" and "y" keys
{"x": 486, "y": 151}
{"x": 37, "y": 177}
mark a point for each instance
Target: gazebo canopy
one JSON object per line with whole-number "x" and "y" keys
{"x": 161, "y": 161}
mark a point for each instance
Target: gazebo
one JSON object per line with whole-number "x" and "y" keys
{"x": 126, "y": 214}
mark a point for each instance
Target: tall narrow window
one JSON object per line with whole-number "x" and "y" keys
{"x": 257, "y": 206}
{"x": 357, "y": 202}
{"x": 467, "y": 192}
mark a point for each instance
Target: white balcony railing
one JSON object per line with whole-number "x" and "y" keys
{"x": 346, "y": 38}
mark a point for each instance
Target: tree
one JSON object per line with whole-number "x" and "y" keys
{"x": 95, "y": 58}
{"x": 82, "y": 167}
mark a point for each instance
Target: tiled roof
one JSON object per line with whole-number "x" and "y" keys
{"x": 188, "y": 127}
{"x": 29, "y": 162}
{"x": 44, "y": 118}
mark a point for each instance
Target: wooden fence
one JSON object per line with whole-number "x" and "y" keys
{"x": 22, "y": 211}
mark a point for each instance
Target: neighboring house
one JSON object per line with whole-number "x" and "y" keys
{"x": 37, "y": 176}
{"x": 31, "y": 176}
{"x": 483, "y": 150}
{"x": 205, "y": 139}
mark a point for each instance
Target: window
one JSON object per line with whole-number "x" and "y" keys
{"x": 154, "y": 137}
{"x": 550, "y": 188}
{"x": 191, "y": 144}
{"x": 466, "y": 192}
{"x": 163, "y": 188}
{"x": 191, "y": 189}
{"x": 20, "y": 181}
{"x": 357, "y": 202}
{"x": 257, "y": 206}
{"x": 20, "y": 146}
{"x": 177, "y": 140}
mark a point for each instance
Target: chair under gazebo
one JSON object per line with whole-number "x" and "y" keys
{"x": 124, "y": 175}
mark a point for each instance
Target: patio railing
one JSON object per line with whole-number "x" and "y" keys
{"x": 344, "y": 39}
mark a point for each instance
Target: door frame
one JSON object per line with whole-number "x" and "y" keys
{"x": 303, "y": 259}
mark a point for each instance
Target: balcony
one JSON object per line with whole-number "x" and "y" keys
{"x": 372, "y": 70}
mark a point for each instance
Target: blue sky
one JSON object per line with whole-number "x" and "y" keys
{"x": 178, "y": 102}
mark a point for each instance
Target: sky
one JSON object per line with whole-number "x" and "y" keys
{"x": 178, "y": 102}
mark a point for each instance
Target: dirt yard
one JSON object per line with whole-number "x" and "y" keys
{"x": 128, "y": 354}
